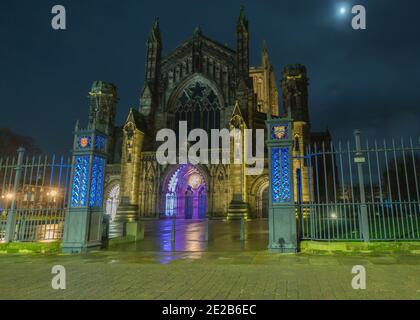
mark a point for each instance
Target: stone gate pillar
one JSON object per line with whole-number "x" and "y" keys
{"x": 128, "y": 209}
{"x": 83, "y": 224}
{"x": 282, "y": 216}
{"x": 238, "y": 207}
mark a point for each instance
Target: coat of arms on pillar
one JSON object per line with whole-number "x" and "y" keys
{"x": 280, "y": 132}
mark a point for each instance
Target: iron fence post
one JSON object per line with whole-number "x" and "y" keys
{"x": 242, "y": 229}
{"x": 360, "y": 160}
{"x": 206, "y": 234}
{"x": 173, "y": 230}
{"x": 11, "y": 216}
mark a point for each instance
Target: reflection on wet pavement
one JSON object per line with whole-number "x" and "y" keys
{"x": 190, "y": 239}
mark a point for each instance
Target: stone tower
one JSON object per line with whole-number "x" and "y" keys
{"x": 103, "y": 103}
{"x": 265, "y": 85}
{"x": 295, "y": 92}
{"x": 103, "y": 107}
{"x": 295, "y": 100}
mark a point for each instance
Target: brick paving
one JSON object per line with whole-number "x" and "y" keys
{"x": 226, "y": 268}
{"x": 122, "y": 275}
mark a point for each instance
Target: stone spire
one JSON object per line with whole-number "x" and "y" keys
{"x": 155, "y": 32}
{"x": 154, "y": 52}
{"x": 242, "y": 40}
{"x": 265, "y": 58}
{"x": 242, "y": 18}
{"x": 198, "y": 31}
{"x": 148, "y": 98}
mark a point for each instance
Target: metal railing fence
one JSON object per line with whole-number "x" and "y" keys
{"x": 33, "y": 197}
{"x": 357, "y": 193}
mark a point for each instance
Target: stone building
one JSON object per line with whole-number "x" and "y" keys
{"x": 211, "y": 86}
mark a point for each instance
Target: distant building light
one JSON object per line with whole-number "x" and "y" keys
{"x": 53, "y": 193}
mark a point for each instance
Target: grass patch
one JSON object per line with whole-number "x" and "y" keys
{"x": 319, "y": 247}
{"x": 31, "y": 247}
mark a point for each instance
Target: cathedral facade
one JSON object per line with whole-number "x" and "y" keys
{"x": 210, "y": 86}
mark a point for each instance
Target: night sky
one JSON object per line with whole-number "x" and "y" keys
{"x": 358, "y": 79}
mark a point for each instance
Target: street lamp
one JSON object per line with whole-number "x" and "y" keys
{"x": 6, "y": 198}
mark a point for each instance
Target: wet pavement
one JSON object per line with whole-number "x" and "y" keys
{"x": 224, "y": 240}
{"x": 223, "y": 268}
{"x": 190, "y": 236}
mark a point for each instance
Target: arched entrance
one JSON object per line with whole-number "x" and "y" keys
{"x": 185, "y": 194}
{"x": 260, "y": 190}
{"x": 112, "y": 200}
{"x": 264, "y": 204}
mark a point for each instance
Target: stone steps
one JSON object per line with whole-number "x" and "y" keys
{"x": 116, "y": 229}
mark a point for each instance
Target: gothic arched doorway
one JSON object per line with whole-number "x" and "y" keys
{"x": 264, "y": 204}
{"x": 260, "y": 190}
{"x": 112, "y": 201}
{"x": 185, "y": 195}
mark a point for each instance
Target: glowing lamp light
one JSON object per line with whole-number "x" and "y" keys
{"x": 334, "y": 216}
{"x": 53, "y": 193}
{"x": 343, "y": 10}
{"x": 10, "y": 196}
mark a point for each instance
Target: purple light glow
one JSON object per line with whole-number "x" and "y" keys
{"x": 186, "y": 195}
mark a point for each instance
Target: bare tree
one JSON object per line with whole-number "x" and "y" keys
{"x": 11, "y": 141}
{"x": 403, "y": 178}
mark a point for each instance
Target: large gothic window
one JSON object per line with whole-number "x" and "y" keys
{"x": 199, "y": 106}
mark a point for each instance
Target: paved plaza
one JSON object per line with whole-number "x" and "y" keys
{"x": 226, "y": 268}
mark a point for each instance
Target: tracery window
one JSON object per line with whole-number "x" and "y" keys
{"x": 199, "y": 106}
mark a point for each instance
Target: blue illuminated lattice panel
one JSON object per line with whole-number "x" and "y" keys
{"x": 100, "y": 143}
{"x": 280, "y": 184}
{"x": 96, "y": 189}
{"x": 80, "y": 181}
